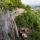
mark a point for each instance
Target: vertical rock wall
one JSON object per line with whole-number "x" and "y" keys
{"x": 5, "y": 25}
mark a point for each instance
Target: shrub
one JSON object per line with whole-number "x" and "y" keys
{"x": 34, "y": 36}
{"x": 27, "y": 20}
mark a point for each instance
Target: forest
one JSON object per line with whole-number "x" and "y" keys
{"x": 19, "y": 21}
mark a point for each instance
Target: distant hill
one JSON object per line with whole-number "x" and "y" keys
{"x": 37, "y": 7}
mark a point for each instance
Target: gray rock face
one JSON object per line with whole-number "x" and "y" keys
{"x": 1, "y": 25}
{"x": 5, "y": 25}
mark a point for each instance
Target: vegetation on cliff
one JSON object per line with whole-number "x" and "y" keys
{"x": 30, "y": 18}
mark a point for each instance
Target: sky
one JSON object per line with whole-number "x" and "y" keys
{"x": 31, "y": 2}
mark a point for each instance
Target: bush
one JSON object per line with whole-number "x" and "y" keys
{"x": 32, "y": 21}
{"x": 34, "y": 36}
{"x": 27, "y": 20}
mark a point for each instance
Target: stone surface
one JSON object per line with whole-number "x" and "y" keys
{"x": 1, "y": 25}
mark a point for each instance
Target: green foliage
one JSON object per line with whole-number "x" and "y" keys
{"x": 35, "y": 36}
{"x": 27, "y": 20}
{"x": 30, "y": 20}
{"x": 10, "y": 4}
